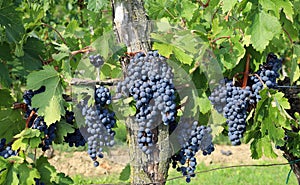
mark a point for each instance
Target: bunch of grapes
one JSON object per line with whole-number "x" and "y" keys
{"x": 267, "y": 74}
{"x": 76, "y": 138}
{"x": 200, "y": 138}
{"x": 149, "y": 80}
{"x": 96, "y": 60}
{"x": 100, "y": 123}
{"x": 6, "y": 150}
{"x": 233, "y": 101}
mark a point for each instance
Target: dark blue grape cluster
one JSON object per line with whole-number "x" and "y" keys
{"x": 76, "y": 138}
{"x": 102, "y": 96}
{"x": 233, "y": 101}
{"x": 149, "y": 80}
{"x": 96, "y": 60}
{"x": 235, "y": 111}
{"x": 36, "y": 121}
{"x": 267, "y": 74}
{"x": 6, "y": 150}
{"x": 100, "y": 123}
{"x": 200, "y": 138}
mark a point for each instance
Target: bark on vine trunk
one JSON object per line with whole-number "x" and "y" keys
{"x": 295, "y": 164}
{"x": 132, "y": 28}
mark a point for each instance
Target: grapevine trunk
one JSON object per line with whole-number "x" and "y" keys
{"x": 132, "y": 28}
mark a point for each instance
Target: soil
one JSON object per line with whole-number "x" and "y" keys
{"x": 80, "y": 163}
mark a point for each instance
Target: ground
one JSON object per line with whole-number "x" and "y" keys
{"x": 73, "y": 163}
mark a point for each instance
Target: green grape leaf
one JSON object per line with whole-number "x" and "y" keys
{"x": 125, "y": 174}
{"x": 182, "y": 56}
{"x": 5, "y": 80}
{"x": 50, "y": 102}
{"x": 262, "y": 31}
{"x": 63, "y": 179}
{"x": 96, "y": 5}
{"x": 294, "y": 70}
{"x": 11, "y": 175}
{"x": 163, "y": 49}
{"x": 46, "y": 170}
{"x": 11, "y": 20}
{"x": 3, "y": 169}
{"x": 188, "y": 9}
{"x": 204, "y": 103}
{"x": 11, "y": 123}
{"x": 62, "y": 129}
{"x": 5, "y": 97}
{"x": 268, "y": 148}
{"x": 256, "y": 148}
{"x": 28, "y": 137}
{"x": 33, "y": 50}
{"x": 27, "y": 174}
{"x": 228, "y": 5}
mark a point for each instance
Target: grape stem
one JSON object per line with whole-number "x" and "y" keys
{"x": 78, "y": 81}
{"x": 29, "y": 118}
{"x": 246, "y": 72}
{"x": 83, "y": 50}
{"x": 61, "y": 37}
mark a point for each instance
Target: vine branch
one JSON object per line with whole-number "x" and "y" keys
{"x": 246, "y": 72}
{"x": 61, "y": 37}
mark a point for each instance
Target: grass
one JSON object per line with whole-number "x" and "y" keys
{"x": 274, "y": 175}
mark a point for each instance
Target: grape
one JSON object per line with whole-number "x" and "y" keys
{"x": 102, "y": 96}
{"x": 76, "y": 138}
{"x": 96, "y": 60}
{"x": 99, "y": 122}
{"x": 149, "y": 80}
{"x": 267, "y": 74}
{"x": 200, "y": 138}
{"x": 233, "y": 103}
{"x": 6, "y": 150}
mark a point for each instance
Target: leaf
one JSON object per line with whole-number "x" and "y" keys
{"x": 27, "y": 174}
{"x": 49, "y": 103}
{"x": 63, "y": 179}
{"x": 62, "y": 129}
{"x": 47, "y": 171}
{"x": 28, "y": 137}
{"x": 256, "y": 149}
{"x": 268, "y": 148}
{"x": 163, "y": 49}
{"x": 262, "y": 31}
{"x": 96, "y": 5}
{"x": 125, "y": 174}
{"x": 5, "y": 97}
{"x": 5, "y": 80}
{"x": 11, "y": 20}
{"x": 188, "y": 9}
{"x": 182, "y": 56}
{"x": 228, "y": 5}
{"x": 204, "y": 103}
{"x": 11, "y": 175}
{"x": 11, "y": 123}
{"x": 3, "y": 169}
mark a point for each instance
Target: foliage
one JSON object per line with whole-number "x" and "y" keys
{"x": 45, "y": 43}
